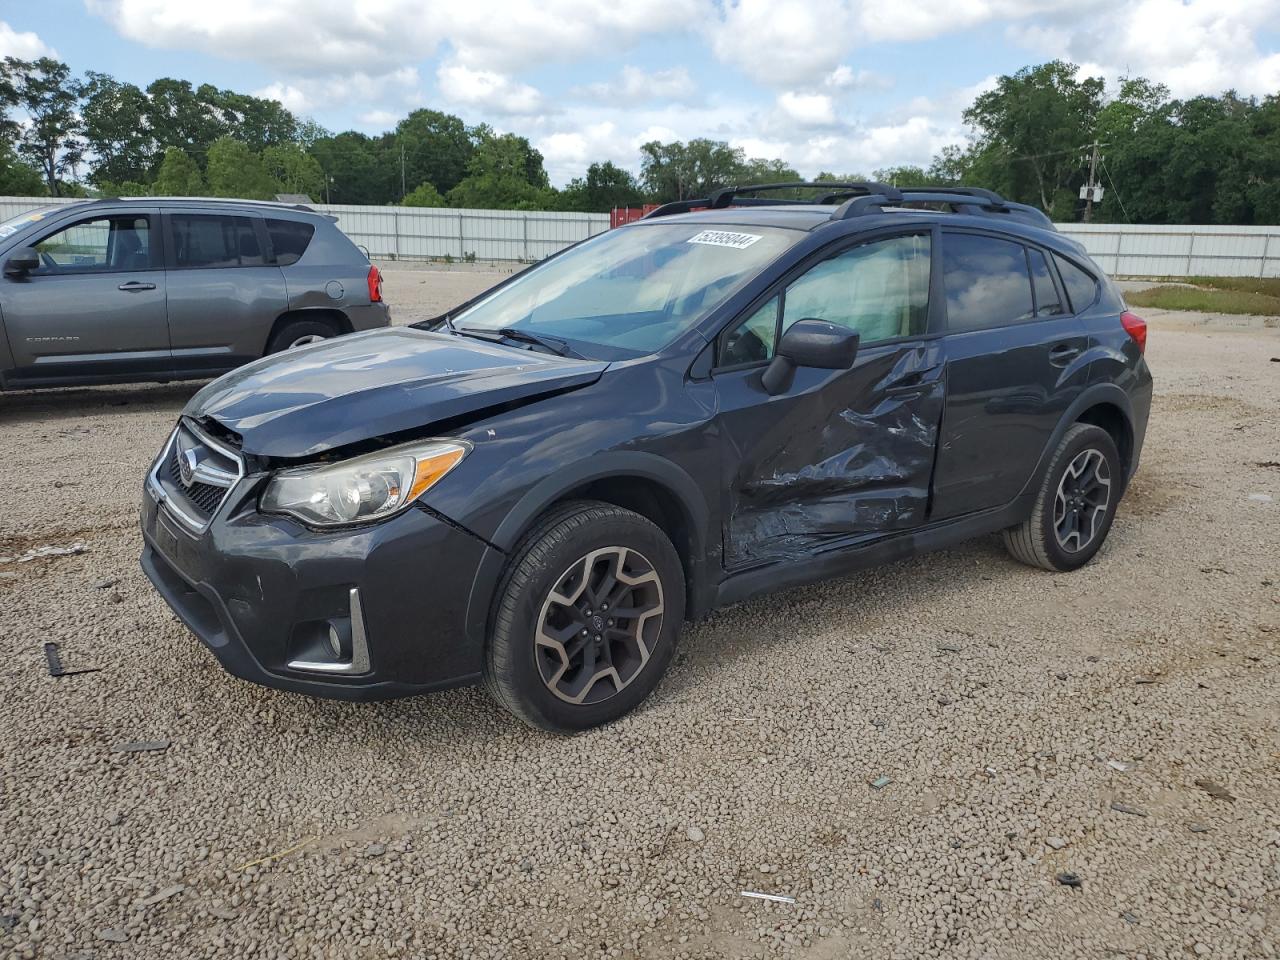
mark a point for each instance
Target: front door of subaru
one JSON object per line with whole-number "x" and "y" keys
{"x": 841, "y": 456}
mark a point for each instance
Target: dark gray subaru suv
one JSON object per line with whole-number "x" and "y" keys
{"x": 731, "y": 396}
{"x": 108, "y": 291}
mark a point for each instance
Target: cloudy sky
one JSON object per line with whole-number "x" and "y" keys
{"x": 841, "y": 85}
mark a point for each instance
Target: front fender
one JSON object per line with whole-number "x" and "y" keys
{"x": 615, "y": 464}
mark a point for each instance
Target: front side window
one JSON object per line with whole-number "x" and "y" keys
{"x": 201, "y": 240}
{"x": 880, "y": 289}
{"x": 100, "y": 245}
{"x": 633, "y": 290}
{"x": 987, "y": 282}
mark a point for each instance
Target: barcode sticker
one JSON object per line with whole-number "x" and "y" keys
{"x": 725, "y": 238}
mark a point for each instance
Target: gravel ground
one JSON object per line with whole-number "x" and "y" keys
{"x": 1120, "y": 724}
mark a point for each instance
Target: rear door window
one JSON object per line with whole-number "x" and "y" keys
{"x": 201, "y": 241}
{"x": 1082, "y": 288}
{"x": 289, "y": 239}
{"x": 1048, "y": 301}
{"x": 986, "y": 281}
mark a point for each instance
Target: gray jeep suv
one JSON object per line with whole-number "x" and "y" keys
{"x": 109, "y": 291}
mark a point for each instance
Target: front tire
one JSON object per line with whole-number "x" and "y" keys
{"x": 1075, "y": 505}
{"x": 587, "y": 618}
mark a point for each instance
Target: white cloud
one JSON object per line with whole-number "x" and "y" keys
{"x": 1191, "y": 46}
{"x": 783, "y": 43}
{"x": 487, "y": 90}
{"x": 24, "y": 46}
{"x": 287, "y": 94}
{"x": 808, "y": 109}
{"x": 635, "y": 85}
{"x": 306, "y": 94}
{"x": 314, "y": 36}
{"x": 380, "y": 119}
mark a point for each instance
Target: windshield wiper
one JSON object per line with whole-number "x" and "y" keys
{"x": 554, "y": 344}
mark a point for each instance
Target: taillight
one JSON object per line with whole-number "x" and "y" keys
{"x": 1135, "y": 327}
{"x": 375, "y": 284}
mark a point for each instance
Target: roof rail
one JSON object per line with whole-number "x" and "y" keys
{"x": 969, "y": 200}
{"x": 275, "y": 204}
{"x": 727, "y": 196}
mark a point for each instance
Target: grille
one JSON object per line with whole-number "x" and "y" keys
{"x": 198, "y": 502}
{"x": 205, "y": 496}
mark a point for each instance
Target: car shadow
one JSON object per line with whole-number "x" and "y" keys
{"x": 74, "y": 402}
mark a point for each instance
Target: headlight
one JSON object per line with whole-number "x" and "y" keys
{"x": 364, "y": 488}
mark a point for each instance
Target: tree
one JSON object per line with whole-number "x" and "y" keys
{"x": 424, "y": 195}
{"x": 358, "y": 175}
{"x": 680, "y": 171}
{"x": 234, "y": 170}
{"x": 436, "y": 147}
{"x": 179, "y": 176}
{"x": 17, "y": 177}
{"x": 254, "y": 121}
{"x": 910, "y": 176}
{"x": 44, "y": 90}
{"x": 294, "y": 170}
{"x": 758, "y": 170}
{"x": 605, "y": 186}
{"x": 115, "y": 129}
{"x": 177, "y": 117}
{"x": 1031, "y": 131}
{"x": 504, "y": 173}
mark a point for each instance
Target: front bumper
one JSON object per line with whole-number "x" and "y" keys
{"x": 256, "y": 590}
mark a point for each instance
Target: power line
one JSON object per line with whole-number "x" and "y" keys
{"x": 1111, "y": 181}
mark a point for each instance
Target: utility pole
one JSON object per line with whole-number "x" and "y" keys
{"x": 1092, "y": 190}
{"x": 403, "y": 192}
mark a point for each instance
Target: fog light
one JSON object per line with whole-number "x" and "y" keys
{"x": 335, "y": 642}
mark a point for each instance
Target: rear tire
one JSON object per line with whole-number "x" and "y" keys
{"x": 586, "y": 618}
{"x": 297, "y": 333}
{"x": 1075, "y": 505}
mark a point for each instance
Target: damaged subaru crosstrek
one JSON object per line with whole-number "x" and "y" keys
{"x": 734, "y": 395}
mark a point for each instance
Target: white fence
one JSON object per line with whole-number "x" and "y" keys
{"x": 427, "y": 233}
{"x": 419, "y": 233}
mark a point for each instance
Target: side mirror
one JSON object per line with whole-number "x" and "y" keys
{"x": 810, "y": 343}
{"x": 21, "y": 262}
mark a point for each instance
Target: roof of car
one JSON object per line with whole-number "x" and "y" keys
{"x": 809, "y": 217}
{"x": 197, "y": 202}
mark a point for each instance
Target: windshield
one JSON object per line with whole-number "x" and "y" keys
{"x": 634, "y": 290}
{"x": 9, "y": 227}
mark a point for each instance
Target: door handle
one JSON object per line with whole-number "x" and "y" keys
{"x": 917, "y": 382}
{"x": 1063, "y": 353}
{"x": 133, "y": 285}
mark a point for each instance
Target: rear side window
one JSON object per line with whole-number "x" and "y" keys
{"x": 1048, "y": 302}
{"x": 289, "y": 239}
{"x": 1082, "y": 288}
{"x": 215, "y": 241}
{"x": 986, "y": 281}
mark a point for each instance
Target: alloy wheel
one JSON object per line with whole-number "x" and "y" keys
{"x": 599, "y": 624}
{"x": 1084, "y": 493}
{"x": 309, "y": 338}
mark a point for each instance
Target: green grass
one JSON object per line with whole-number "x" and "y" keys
{"x": 1269, "y": 287}
{"x": 1215, "y": 295}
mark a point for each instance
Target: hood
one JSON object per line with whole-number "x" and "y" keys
{"x": 326, "y": 395}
